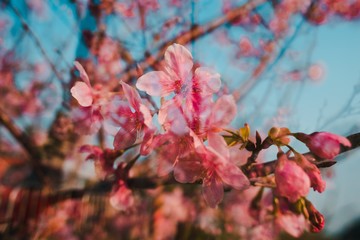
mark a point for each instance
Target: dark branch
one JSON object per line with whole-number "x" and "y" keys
{"x": 20, "y": 136}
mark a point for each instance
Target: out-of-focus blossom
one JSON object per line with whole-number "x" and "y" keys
{"x": 122, "y": 197}
{"x": 103, "y": 159}
{"x": 293, "y": 224}
{"x": 174, "y": 208}
{"x": 316, "y": 72}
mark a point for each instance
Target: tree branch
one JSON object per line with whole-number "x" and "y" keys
{"x": 20, "y": 136}
{"x": 264, "y": 169}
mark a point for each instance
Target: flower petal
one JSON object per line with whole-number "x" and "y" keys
{"x": 82, "y": 93}
{"x": 233, "y": 176}
{"x": 208, "y": 80}
{"x": 155, "y": 83}
{"x": 213, "y": 190}
{"x": 179, "y": 62}
{"x": 132, "y": 96}
{"x": 188, "y": 169}
{"x": 83, "y": 74}
{"x": 147, "y": 115}
{"x": 223, "y": 112}
{"x": 125, "y": 138}
{"x": 218, "y": 143}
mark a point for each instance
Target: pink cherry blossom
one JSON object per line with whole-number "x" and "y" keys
{"x": 87, "y": 119}
{"x": 174, "y": 208}
{"x": 246, "y": 47}
{"x": 218, "y": 170}
{"x": 291, "y": 180}
{"x": 103, "y": 159}
{"x": 122, "y": 198}
{"x": 173, "y": 153}
{"x": 316, "y": 72}
{"x": 133, "y": 120}
{"x": 293, "y": 224}
{"x": 222, "y": 113}
{"x": 326, "y": 145}
{"x": 177, "y": 76}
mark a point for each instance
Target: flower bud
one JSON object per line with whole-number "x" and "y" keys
{"x": 291, "y": 180}
{"x": 279, "y": 135}
{"x": 323, "y": 144}
{"x": 317, "y": 221}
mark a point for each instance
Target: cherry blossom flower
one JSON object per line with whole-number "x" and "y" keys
{"x": 122, "y": 198}
{"x": 291, "y": 180}
{"x": 222, "y": 113}
{"x": 173, "y": 153}
{"x": 93, "y": 102}
{"x": 216, "y": 169}
{"x": 174, "y": 208}
{"x": 177, "y": 76}
{"x": 103, "y": 159}
{"x": 293, "y": 224}
{"x": 82, "y": 91}
{"x": 133, "y": 120}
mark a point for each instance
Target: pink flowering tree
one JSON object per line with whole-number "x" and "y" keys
{"x": 142, "y": 125}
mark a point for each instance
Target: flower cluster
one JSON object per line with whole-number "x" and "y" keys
{"x": 188, "y": 136}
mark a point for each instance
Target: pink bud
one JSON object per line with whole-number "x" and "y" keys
{"x": 316, "y": 219}
{"x": 291, "y": 180}
{"x": 326, "y": 145}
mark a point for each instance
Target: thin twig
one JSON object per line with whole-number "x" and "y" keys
{"x": 38, "y": 43}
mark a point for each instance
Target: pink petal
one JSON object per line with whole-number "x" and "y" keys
{"x": 82, "y": 93}
{"x": 291, "y": 180}
{"x": 176, "y": 120}
{"x": 155, "y": 83}
{"x": 218, "y": 143}
{"x": 213, "y": 191}
{"x": 326, "y": 145}
{"x": 208, "y": 79}
{"x": 148, "y": 142}
{"x": 233, "y": 176}
{"x": 132, "y": 96}
{"x": 295, "y": 225}
{"x": 122, "y": 199}
{"x": 179, "y": 62}
{"x": 166, "y": 158}
{"x": 223, "y": 112}
{"x": 146, "y": 115}
{"x": 83, "y": 74}
{"x": 188, "y": 169}
{"x": 125, "y": 138}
